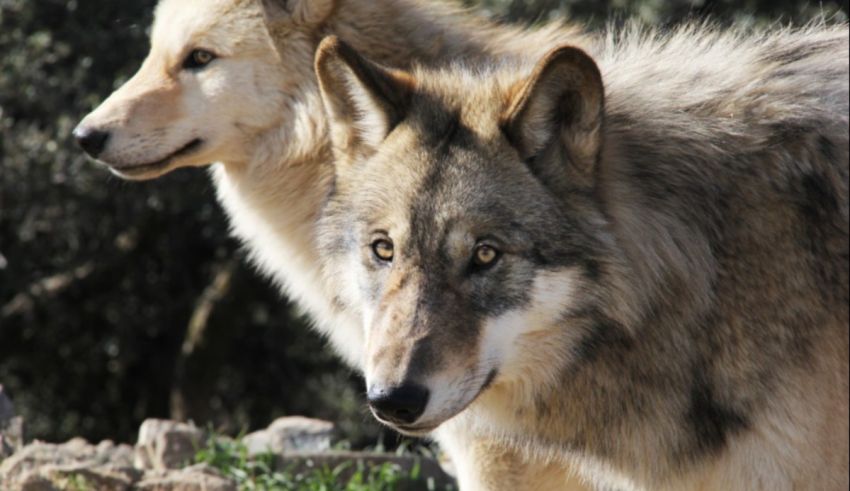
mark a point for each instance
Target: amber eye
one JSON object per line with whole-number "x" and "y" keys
{"x": 198, "y": 59}
{"x": 485, "y": 256}
{"x": 383, "y": 250}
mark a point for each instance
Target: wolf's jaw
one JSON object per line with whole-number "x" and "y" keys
{"x": 158, "y": 168}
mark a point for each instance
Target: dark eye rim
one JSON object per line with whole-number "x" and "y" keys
{"x": 374, "y": 247}
{"x": 191, "y": 61}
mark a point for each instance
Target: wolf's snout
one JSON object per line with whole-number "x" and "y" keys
{"x": 400, "y": 405}
{"x": 92, "y": 141}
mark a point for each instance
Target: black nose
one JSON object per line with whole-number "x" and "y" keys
{"x": 400, "y": 405}
{"x": 91, "y": 140}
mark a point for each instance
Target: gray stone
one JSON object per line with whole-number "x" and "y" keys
{"x": 195, "y": 478}
{"x": 300, "y": 445}
{"x": 291, "y": 435}
{"x": 91, "y": 477}
{"x": 11, "y": 427}
{"x": 39, "y": 462}
{"x": 203, "y": 469}
{"x": 11, "y": 437}
{"x": 108, "y": 452}
{"x": 31, "y": 481}
{"x": 38, "y": 454}
{"x": 166, "y": 445}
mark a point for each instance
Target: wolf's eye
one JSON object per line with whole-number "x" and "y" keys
{"x": 383, "y": 250}
{"x": 485, "y": 256}
{"x": 198, "y": 59}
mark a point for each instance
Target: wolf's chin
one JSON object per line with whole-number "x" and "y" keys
{"x": 153, "y": 170}
{"x": 415, "y": 431}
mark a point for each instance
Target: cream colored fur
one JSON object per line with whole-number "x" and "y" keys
{"x": 257, "y": 108}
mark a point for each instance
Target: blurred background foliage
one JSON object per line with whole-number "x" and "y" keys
{"x": 105, "y": 286}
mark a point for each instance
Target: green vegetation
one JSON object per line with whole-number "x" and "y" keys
{"x": 263, "y": 473}
{"x": 77, "y": 482}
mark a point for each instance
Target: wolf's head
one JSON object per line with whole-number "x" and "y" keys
{"x": 219, "y": 73}
{"x": 463, "y": 224}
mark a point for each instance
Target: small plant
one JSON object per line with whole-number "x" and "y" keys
{"x": 261, "y": 473}
{"x": 77, "y": 482}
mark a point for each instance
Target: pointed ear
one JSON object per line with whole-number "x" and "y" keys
{"x": 364, "y": 101}
{"x": 561, "y": 104}
{"x": 299, "y": 12}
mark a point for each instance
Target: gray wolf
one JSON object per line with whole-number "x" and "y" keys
{"x": 632, "y": 264}
{"x": 232, "y": 82}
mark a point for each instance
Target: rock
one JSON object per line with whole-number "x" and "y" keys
{"x": 11, "y": 436}
{"x": 116, "y": 455}
{"x": 299, "y": 444}
{"x": 291, "y": 435}
{"x": 195, "y": 478}
{"x": 38, "y": 462}
{"x": 166, "y": 445}
{"x": 88, "y": 477}
{"x": 11, "y": 427}
{"x": 203, "y": 469}
{"x": 431, "y": 475}
{"x": 32, "y": 481}
{"x": 37, "y": 454}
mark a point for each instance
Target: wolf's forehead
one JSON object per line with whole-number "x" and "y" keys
{"x": 180, "y": 22}
{"x": 459, "y": 199}
{"x": 201, "y": 8}
{"x": 477, "y": 96}
{"x": 419, "y": 190}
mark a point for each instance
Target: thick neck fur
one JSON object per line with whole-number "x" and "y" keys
{"x": 718, "y": 172}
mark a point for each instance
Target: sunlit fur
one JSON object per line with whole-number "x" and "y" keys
{"x": 693, "y": 334}
{"x": 258, "y": 110}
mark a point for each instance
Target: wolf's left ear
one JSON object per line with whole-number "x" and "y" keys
{"x": 298, "y": 12}
{"x": 364, "y": 101}
{"x": 562, "y": 104}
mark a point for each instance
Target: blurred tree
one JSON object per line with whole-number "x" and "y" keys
{"x": 100, "y": 279}
{"x": 124, "y": 301}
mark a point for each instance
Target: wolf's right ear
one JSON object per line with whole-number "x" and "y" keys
{"x": 363, "y": 100}
{"x": 559, "y": 108}
{"x": 307, "y": 13}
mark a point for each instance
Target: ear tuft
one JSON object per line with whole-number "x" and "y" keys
{"x": 307, "y": 13}
{"x": 363, "y": 100}
{"x": 562, "y": 103}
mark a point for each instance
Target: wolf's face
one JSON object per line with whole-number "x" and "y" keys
{"x": 451, "y": 273}
{"x": 463, "y": 257}
{"x": 212, "y": 82}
